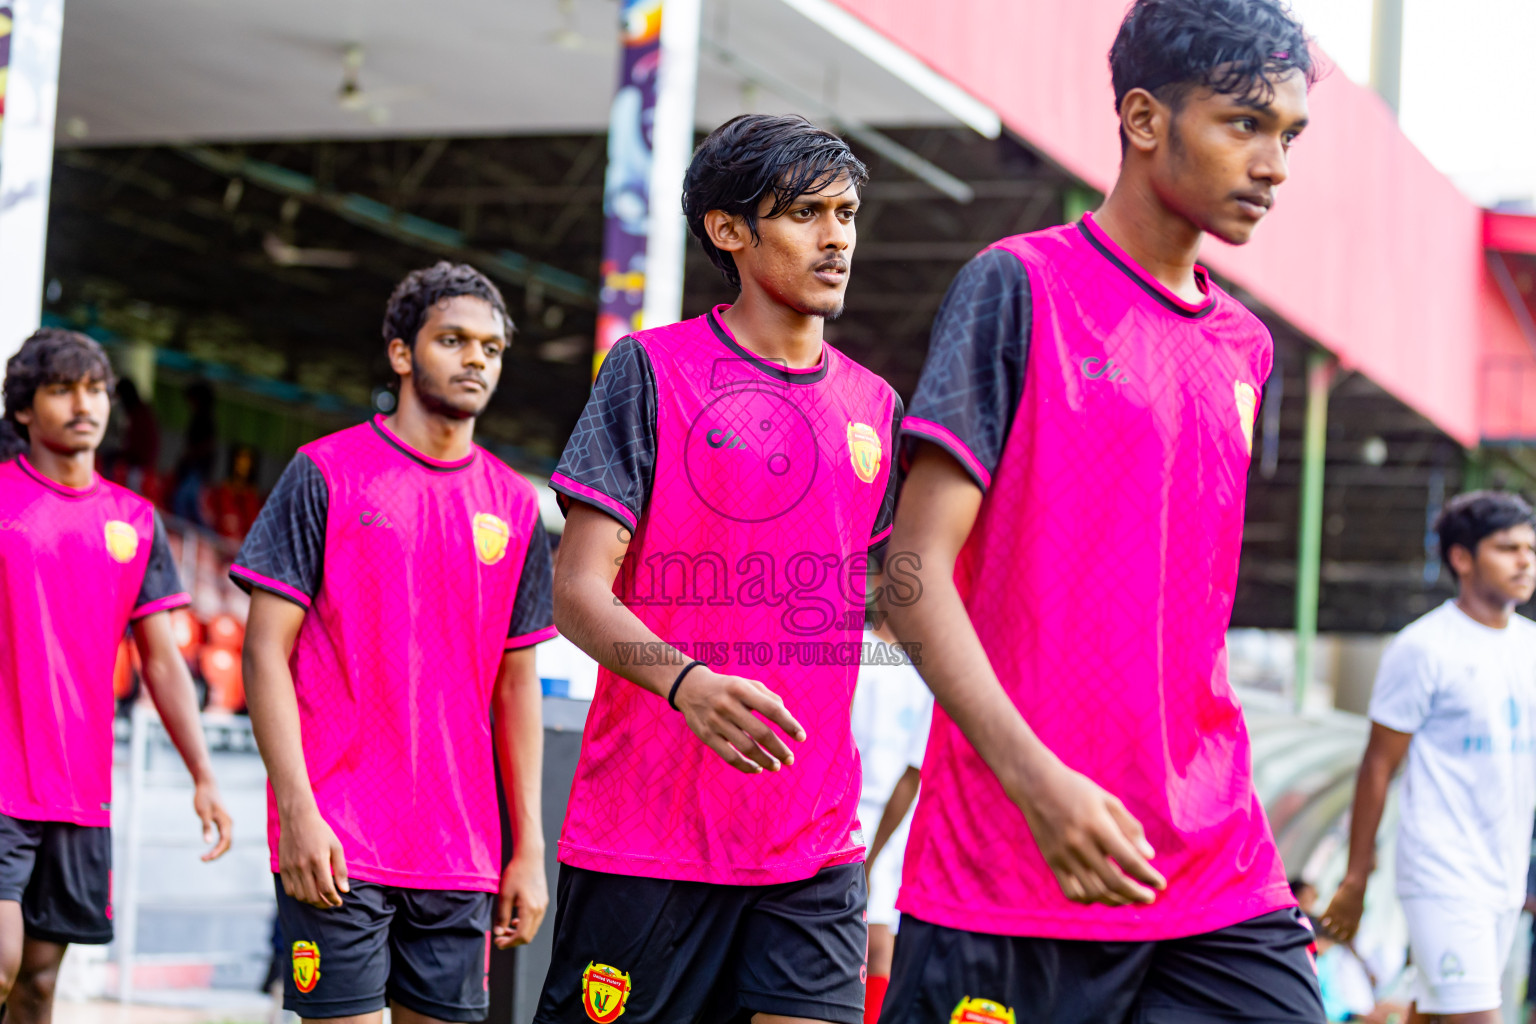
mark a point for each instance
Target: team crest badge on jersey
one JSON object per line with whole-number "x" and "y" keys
{"x": 1247, "y": 406}
{"x": 604, "y": 991}
{"x": 864, "y": 451}
{"x": 981, "y": 1011}
{"x": 491, "y": 536}
{"x": 122, "y": 541}
{"x": 306, "y": 965}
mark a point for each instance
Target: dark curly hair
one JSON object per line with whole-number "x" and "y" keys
{"x": 1235, "y": 47}
{"x": 1468, "y": 518}
{"x": 50, "y": 356}
{"x": 422, "y": 289}
{"x": 756, "y": 155}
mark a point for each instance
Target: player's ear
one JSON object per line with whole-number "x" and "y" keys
{"x": 400, "y": 357}
{"x": 1142, "y": 118}
{"x": 728, "y": 231}
{"x": 25, "y": 416}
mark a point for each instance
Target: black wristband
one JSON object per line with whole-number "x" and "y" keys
{"x": 672, "y": 697}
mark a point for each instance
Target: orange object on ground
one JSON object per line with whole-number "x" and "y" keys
{"x": 226, "y": 683}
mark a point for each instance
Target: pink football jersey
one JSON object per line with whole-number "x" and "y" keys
{"x": 753, "y": 494}
{"x": 1109, "y": 424}
{"x": 418, "y": 575}
{"x": 76, "y": 566}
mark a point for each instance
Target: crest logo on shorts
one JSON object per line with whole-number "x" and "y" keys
{"x": 864, "y": 451}
{"x": 122, "y": 541}
{"x": 1450, "y": 966}
{"x": 981, "y": 1011}
{"x": 491, "y": 536}
{"x": 306, "y": 966}
{"x": 1247, "y": 405}
{"x": 604, "y": 991}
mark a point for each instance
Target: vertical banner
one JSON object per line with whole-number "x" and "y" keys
{"x": 626, "y": 188}
{"x": 26, "y": 163}
{"x": 5, "y": 57}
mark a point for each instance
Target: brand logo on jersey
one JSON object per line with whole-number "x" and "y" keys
{"x": 13, "y": 524}
{"x": 864, "y": 451}
{"x": 1247, "y": 405}
{"x": 375, "y": 519}
{"x": 604, "y": 991}
{"x": 491, "y": 536}
{"x": 122, "y": 540}
{"x": 718, "y": 438}
{"x": 1095, "y": 368}
{"x": 981, "y": 1011}
{"x": 306, "y": 965}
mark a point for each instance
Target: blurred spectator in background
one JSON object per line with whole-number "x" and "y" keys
{"x": 892, "y": 708}
{"x": 195, "y": 469}
{"x": 1349, "y": 988}
{"x": 232, "y": 505}
{"x": 138, "y": 460}
{"x": 1306, "y": 895}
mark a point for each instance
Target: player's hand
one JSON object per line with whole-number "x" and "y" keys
{"x": 522, "y": 900}
{"x": 210, "y": 811}
{"x": 1097, "y": 850}
{"x": 1343, "y": 914}
{"x": 310, "y": 861}
{"x": 719, "y": 709}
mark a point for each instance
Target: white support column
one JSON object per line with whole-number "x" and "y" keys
{"x": 26, "y": 165}
{"x": 671, "y": 149}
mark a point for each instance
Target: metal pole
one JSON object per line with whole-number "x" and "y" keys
{"x": 671, "y": 150}
{"x": 1387, "y": 52}
{"x": 1320, "y": 369}
{"x": 26, "y": 165}
{"x": 127, "y": 923}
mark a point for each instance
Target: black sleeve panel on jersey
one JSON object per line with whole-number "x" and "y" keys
{"x": 887, "y": 516}
{"x": 610, "y": 460}
{"x": 533, "y": 609}
{"x": 162, "y": 587}
{"x": 285, "y": 551}
{"x": 973, "y": 378}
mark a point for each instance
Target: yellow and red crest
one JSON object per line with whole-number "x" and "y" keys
{"x": 1247, "y": 406}
{"x": 864, "y": 451}
{"x": 306, "y": 965}
{"x": 604, "y": 991}
{"x": 981, "y": 1011}
{"x": 491, "y": 536}
{"x": 122, "y": 540}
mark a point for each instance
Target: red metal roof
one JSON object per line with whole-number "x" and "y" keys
{"x": 1370, "y": 250}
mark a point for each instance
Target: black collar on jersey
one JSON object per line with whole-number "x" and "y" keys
{"x": 774, "y": 370}
{"x": 427, "y": 462}
{"x": 1145, "y": 285}
{"x": 53, "y": 485}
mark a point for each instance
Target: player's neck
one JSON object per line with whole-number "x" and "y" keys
{"x": 1490, "y": 612}
{"x": 773, "y": 331}
{"x": 71, "y": 469}
{"x": 1164, "y": 243}
{"x": 439, "y": 437}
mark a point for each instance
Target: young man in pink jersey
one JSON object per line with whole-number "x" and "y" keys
{"x": 1089, "y": 847}
{"x": 725, "y": 487}
{"x": 399, "y": 579}
{"x": 80, "y": 560}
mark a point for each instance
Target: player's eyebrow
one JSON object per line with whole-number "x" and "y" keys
{"x": 456, "y": 329}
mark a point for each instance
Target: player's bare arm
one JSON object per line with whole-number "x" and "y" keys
{"x": 722, "y": 710}
{"x": 518, "y": 730}
{"x": 310, "y": 859}
{"x": 170, "y": 687}
{"x": 1384, "y": 753}
{"x": 1096, "y": 849}
{"x": 903, "y": 794}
